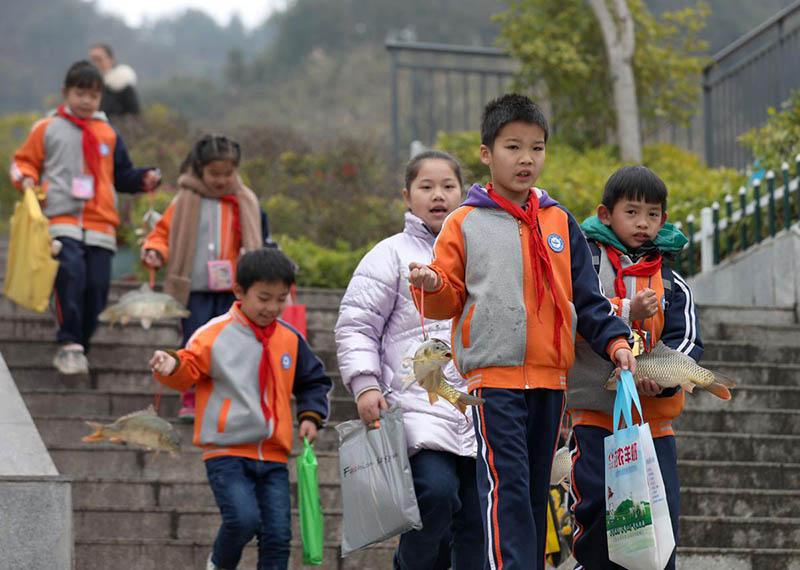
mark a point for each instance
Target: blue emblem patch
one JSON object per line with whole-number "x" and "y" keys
{"x": 286, "y": 361}
{"x": 104, "y": 149}
{"x": 555, "y": 242}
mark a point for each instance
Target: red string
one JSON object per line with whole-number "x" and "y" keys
{"x": 421, "y": 309}
{"x": 157, "y": 393}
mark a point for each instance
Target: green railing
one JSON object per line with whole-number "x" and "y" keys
{"x": 717, "y": 239}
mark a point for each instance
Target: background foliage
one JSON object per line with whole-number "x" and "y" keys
{"x": 778, "y": 140}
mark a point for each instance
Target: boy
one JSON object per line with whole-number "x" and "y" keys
{"x": 513, "y": 271}
{"x": 246, "y": 365}
{"x": 80, "y": 162}
{"x": 628, "y": 238}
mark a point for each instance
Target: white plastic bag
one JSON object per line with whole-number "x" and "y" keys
{"x": 378, "y": 498}
{"x": 638, "y": 525}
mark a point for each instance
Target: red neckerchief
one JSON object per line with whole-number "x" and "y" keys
{"x": 540, "y": 261}
{"x": 645, "y": 268}
{"x": 265, "y": 371}
{"x": 91, "y": 146}
{"x": 237, "y": 223}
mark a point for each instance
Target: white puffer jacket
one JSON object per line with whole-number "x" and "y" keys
{"x": 379, "y": 326}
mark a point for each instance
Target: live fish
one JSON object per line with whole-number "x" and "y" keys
{"x": 670, "y": 368}
{"x": 145, "y": 305}
{"x": 562, "y": 463}
{"x": 143, "y": 428}
{"x": 427, "y": 362}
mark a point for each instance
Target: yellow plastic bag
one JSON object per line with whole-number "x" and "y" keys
{"x": 30, "y": 269}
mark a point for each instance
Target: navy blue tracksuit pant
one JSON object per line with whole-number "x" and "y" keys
{"x": 204, "y": 306}
{"x": 517, "y": 433}
{"x": 588, "y": 494}
{"x": 81, "y": 289}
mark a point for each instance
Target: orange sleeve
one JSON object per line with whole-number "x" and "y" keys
{"x": 29, "y": 159}
{"x": 615, "y": 345}
{"x": 158, "y": 239}
{"x": 449, "y": 262}
{"x": 616, "y": 303}
{"x": 194, "y": 361}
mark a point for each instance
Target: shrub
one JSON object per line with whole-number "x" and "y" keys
{"x": 779, "y": 139}
{"x": 320, "y": 266}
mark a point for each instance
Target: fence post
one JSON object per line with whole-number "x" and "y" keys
{"x": 757, "y": 211}
{"x": 771, "y": 211}
{"x": 690, "y": 231}
{"x": 787, "y": 204}
{"x": 706, "y": 239}
{"x": 715, "y": 221}
{"x": 743, "y": 206}
{"x": 729, "y": 216}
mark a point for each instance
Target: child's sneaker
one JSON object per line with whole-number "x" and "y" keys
{"x": 70, "y": 359}
{"x": 210, "y": 565}
{"x": 186, "y": 413}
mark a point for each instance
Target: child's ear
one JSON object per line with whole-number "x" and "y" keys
{"x": 486, "y": 155}
{"x": 407, "y": 197}
{"x": 663, "y": 219}
{"x": 604, "y": 214}
{"x": 238, "y": 291}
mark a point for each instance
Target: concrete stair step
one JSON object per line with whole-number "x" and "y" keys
{"x": 762, "y": 421}
{"x": 746, "y": 397}
{"x": 717, "y": 502}
{"x": 711, "y": 315}
{"x": 751, "y": 351}
{"x": 158, "y": 554}
{"x": 772, "y": 333}
{"x": 91, "y": 403}
{"x": 738, "y": 558}
{"x": 759, "y": 372}
{"x": 738, "y": 474}
{"x": 743, "y": 532}
{"x": 731, "y": 446}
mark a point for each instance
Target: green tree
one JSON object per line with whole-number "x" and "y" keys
{"x": 560, "y": 47}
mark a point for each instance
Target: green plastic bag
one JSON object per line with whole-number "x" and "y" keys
{"x": 309, "y": 505}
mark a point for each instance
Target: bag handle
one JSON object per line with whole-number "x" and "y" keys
{"x": 627, "y": 397}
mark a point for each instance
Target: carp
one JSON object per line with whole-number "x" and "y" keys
{"x": 145, "y": 305}
{"x": 143, "y": 428}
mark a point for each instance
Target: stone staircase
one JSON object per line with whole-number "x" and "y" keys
{"x": 739, "y": 461}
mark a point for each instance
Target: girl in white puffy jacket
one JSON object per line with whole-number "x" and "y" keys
{"x": 378, "y": 327}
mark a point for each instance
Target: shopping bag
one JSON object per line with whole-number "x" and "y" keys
{"x": 311, "y": 526}
{"x": 30, "y": 267}
{"x": 638, "y": 525}
{"x": 378, "y": 498}
{"x": 295, "y": 314}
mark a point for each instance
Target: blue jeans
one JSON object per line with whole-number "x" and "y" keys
{"x": 451, "y": 532}
{"x": 253, "y": 499}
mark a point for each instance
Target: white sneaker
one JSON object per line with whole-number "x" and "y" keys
{"x": 210, "y": 565}
{"x": 71, "y": 361}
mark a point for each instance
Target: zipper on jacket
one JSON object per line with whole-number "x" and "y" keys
{"x": 519, "y": 225}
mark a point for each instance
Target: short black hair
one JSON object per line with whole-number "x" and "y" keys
{"x": 635, "y": 182}
{"x": 83, "y": 75}
{"x": 105, "y": 47}
{"x": 211, "y": 148}
{"x": 507, "y": 109}
{"x": 413, "y": 166}
{"x": 267, "y": 264}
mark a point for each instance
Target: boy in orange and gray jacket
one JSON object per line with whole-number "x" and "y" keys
{"x": 513, "y": 271}
{"x": 246, "y": 365}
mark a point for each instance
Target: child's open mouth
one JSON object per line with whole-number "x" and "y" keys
{"x": 524, "y": 174}
{"x": 438, "y": 210}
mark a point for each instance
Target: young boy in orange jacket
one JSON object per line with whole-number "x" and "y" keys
{"x": 246, "y": 365}
{"x": 80, "y": 162}
{"x": 513, "y": 271}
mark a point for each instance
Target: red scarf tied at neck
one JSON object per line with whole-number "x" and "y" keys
{"x": 540, "y": 261}
{"x": 266, "y": 375}
{"x": 91, "y": 146}
{"x": 644, "y": 268}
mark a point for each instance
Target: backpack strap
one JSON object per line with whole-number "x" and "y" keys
{"x": 595, "y": 249}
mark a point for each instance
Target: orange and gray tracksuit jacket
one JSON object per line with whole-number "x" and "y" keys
{"x": 498, "y": 339}
{"x": 675, "y": 324}
{"x": 53, "y": 154}
{"x": 222, "y": 359}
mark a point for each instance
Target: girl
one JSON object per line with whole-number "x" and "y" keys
{"x": 378, "y": 326}
{"x": 212, "y": 220}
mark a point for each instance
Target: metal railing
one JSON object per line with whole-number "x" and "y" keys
{"x": 717, "y": 239}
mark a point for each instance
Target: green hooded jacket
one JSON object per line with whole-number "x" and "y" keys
{"x": 669, "y": 239}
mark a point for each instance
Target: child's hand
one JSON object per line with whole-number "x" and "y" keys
{"x": 644, "y": 305}
{"x": 648, "y": 387}
{"x": 624, "y": 359}
{"x": 370, "y": 404}
{"x": 423, "y": 277}
{"x": 162, "y": 363}
{"x": 151, "y": 179}
{"x": 307, "y": 429}
{"x": 152, "y": 258}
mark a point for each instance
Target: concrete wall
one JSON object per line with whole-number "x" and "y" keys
{"x": 764, "y": 275}
{"x": 35, "y": 501}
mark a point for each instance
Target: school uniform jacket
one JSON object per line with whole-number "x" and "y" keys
{"x": 53, "y": 154}
{"x": 499, "y": 340}
{"x": 675, "y": 324}
{"x": 222, "y": 359}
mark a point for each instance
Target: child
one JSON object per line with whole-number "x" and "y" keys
{"x": 81, "y": 162}
{"x": 246, "y": 365}
{"x": 628, "y": 239}
{"x": 211, "y": 221}
{"x": 378, "y": 326}
{"x": 518, "y": 284}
